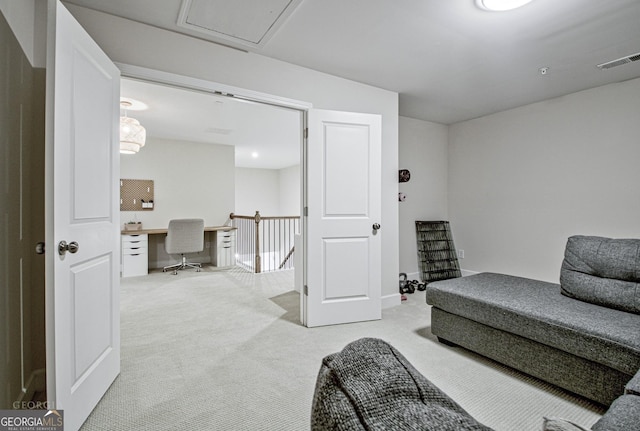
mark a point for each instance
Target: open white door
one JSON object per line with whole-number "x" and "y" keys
{"x": 343, "y": 236}
{"x": 82, "y": 196}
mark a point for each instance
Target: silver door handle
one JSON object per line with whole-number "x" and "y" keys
{"x": 376, "y": 226}
{"x": 71, "y": 247}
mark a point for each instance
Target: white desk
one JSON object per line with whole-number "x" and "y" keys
{"x": 141, "y": 247}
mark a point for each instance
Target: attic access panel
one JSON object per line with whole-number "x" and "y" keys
{"x": 245, "y": 22}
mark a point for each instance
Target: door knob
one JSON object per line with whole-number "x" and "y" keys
{"x": 376, "y": 226}
{"x": 71, "y": 247}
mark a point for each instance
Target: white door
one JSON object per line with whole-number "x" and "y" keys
{"x": 343, "y": 247}
{"x": 82, "y": 195}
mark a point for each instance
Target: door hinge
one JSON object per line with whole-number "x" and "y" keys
{"x": 305, "y": 211}
{"x": 306, "y": 290}
{"x": 306, "y": 133}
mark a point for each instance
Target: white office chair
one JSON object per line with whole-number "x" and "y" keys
{"x": 184, "y": 236}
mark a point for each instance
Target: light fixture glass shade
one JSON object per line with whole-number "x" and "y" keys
{"x": 132, "y": 135}
{"x": 500, "y": 5}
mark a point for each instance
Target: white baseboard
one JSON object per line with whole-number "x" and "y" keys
{"x": 388, "y": 301}
{"x": 392, "y": 300}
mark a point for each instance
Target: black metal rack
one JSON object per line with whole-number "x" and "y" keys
{"x": 436, "y": 252}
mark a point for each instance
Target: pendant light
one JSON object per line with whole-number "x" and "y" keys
{"x": 501, "y": 5}
{"x": 132, "y": 134}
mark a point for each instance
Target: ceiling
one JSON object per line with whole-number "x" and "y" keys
{"x": 272, "y": 133}
{"x": 448, "y": 60}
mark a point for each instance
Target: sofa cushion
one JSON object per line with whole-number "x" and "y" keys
{"x": 602, "y": 271}
{"x": 370, "y": 385}
{"x": 536, "y": 310}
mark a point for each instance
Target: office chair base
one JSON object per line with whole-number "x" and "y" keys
{"x": 182, "y": 265}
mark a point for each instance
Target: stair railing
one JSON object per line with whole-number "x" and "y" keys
{"x": 265, "y": 243}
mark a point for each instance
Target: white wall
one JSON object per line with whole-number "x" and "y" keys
{"x": 257, "y": 190}
{"x": 191, "y": 180}
{"x": 141, "y": 45}
{"x": 523, "y": 180}
{"x": 289, "y": 179}
{"x": 21, "y": 18}
{"x": 422, "y": 150}
{"x": 273, "y": 192}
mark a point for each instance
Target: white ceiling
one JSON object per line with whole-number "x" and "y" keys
{"x": 177, "y": 114}
{"x": 448, "y": 60}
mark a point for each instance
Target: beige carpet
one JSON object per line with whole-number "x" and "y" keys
{"x": 223, "y": 350}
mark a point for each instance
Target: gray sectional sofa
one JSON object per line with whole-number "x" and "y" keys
{"x": 369, "y": 385}
{"x": 582, "y": 335}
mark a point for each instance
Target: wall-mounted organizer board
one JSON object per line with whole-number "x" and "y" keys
{"x": 136, "y": 195}
{"x": 436, "y": 252}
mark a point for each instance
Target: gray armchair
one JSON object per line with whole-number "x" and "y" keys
{"x": 184, "y": 236}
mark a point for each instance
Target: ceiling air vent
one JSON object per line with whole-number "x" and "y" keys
{"x": 619, "y": 62}
{"x": 247, "y": 23}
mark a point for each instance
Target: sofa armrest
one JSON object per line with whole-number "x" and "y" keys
{"x": 369, "y": 385}
{"x": 633, "y": 387}
{"x": 623, "y": 415}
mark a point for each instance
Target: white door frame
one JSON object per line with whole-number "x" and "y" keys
{"x": 191, "y": 83}
{"x": 187, "y": 82}
{"x": 216, "y": 88}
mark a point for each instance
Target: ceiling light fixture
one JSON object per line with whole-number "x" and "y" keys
{"x": 132, "y": 135}
{"x": 500, "y": 5}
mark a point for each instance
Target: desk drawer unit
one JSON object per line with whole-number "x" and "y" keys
{"x": 226, "y": 248}
{"x": 135, "y": 256}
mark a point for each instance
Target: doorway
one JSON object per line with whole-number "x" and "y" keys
{"x": 211, "y": 154}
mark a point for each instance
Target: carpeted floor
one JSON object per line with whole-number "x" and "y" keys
{"x": 223, "y": 350}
